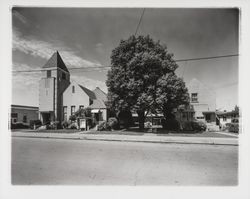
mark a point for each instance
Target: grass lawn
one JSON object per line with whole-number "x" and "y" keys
{"x": 47, "y": 131}
{"x": 132, "y": 131}
{"x": 161, "y": 132}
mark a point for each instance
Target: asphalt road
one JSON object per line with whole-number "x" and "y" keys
{"x": 41, "y": 161}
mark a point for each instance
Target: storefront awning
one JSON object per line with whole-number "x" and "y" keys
{"x": 95, "y": 110}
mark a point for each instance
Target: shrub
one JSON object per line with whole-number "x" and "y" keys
{"x": 103, "y": 126}
{"x": 198, "y": 126}
{"x": 187, "y": 126}
{"x": 72, "y": 126}
{"x": 65, "y": 124}
{"x": 91, "y": 122}
{"x": 53, "y": 125}
{"x": 171, "y": 124}
{"x": 72, "y": 118}
{"x": 233, "y": 127}
{"x": 194, "y": 126}
{"x": 148, "y": 124}
{"x": 113, "y": 123}
{"x": 35, "y": 123}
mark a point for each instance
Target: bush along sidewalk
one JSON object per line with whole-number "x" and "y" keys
{"x": 174, "y": 125}
{"x": 111, "y": 124}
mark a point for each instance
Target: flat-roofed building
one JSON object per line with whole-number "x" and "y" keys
{"x": 23, "y": 114}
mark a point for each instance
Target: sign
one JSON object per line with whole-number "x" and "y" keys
{"x": 82, "y": 124}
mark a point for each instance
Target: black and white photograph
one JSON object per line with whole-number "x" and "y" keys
{"x": 125, "y": 96}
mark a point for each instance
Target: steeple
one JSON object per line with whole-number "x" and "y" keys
{"x": 56, "y": 61}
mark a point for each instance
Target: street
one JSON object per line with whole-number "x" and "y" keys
{"x": 41, "y": 161}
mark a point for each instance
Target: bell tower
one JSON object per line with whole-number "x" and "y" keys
{"x": 55, "y": 79}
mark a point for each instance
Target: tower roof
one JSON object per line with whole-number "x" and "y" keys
{"x": 56, "y": 61}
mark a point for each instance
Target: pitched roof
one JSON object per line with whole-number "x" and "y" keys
{"x": 90, "y": 93}
{"x": 100, "y": 94}
{"x": 97, "y": 104}
{"x": 56, "y": 61}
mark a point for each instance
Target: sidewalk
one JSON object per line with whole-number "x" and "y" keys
{"x": 148, "y": 138}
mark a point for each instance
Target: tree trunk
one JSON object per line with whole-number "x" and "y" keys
{"x": 141, "y": 119}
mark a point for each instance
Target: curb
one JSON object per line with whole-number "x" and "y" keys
{"x": 133, "y": 140}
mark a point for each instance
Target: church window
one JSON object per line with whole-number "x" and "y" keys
{"x": 48, "y": 73}
{"x": 194, "y": 97}
{"x": 63, "y": 76}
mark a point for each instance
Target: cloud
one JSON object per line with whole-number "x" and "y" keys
{"x": 89, "y": 83}
{"x": 25, "y": 86}
{"x": 44, "y": 50}
{"x": 20, "y": 17}
{"x": 99, "y": 45}
{"x": 18, "y": 67}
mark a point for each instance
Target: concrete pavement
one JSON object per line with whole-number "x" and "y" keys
{"x": 41, "y": 161}
{"x": 150, "y": 138}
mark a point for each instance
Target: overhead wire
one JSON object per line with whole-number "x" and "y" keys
{"x": 137, "y": 28}
{"x": 104, "y": 67}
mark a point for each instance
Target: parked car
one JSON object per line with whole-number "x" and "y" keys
{"x": 18, "y": 125}
{"x": 34, "y": 124}
{"x": 233, "y": 126}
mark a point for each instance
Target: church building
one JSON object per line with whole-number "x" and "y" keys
{"x": 59, "y": 98}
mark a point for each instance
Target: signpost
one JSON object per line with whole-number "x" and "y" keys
{"x": 83, "y": 124}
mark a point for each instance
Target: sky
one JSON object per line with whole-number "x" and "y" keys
{"x": 85, "y": 37}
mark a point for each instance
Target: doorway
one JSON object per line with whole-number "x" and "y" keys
{"x": 45, "y": 118}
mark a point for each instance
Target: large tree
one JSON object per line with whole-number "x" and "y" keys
{"x": 170, "y": 94}
{"x": 137, "y": 64}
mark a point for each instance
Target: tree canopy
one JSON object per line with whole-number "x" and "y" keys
{"x": 140, "y": 68}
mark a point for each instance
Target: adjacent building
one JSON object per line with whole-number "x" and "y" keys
{"x": 227, "y": 117}
{"x": 203, "y": 101}
{"x": 23, "y": 114}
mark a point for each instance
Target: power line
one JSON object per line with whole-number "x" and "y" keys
{"x": 103, "y": 67}
{"x": 139, "y": 21}
{"x": 201, "y": 58}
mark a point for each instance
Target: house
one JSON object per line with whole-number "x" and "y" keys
{"x": 59, "y": 98}
{"x": 77, "y": 97}
{"x": 23, "y": 114}
{"x": 203, "y": 100}
{"x": 227, "y": 117}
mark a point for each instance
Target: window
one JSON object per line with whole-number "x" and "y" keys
{"x": 81, "y": 107}
{"x": 208, "y": 117}
{"x": 194, "y": 97}
{"x": 73, "y": 89}
{"x": 65, "y": 113}
{"x": 48, "y": 73}
{"x": 73, "y": 108}
{"x": 14, "y": 115}
{"x": 63, "y": 76}
{"x": 25, "y": 119}
{"x": 90, "y": 101}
